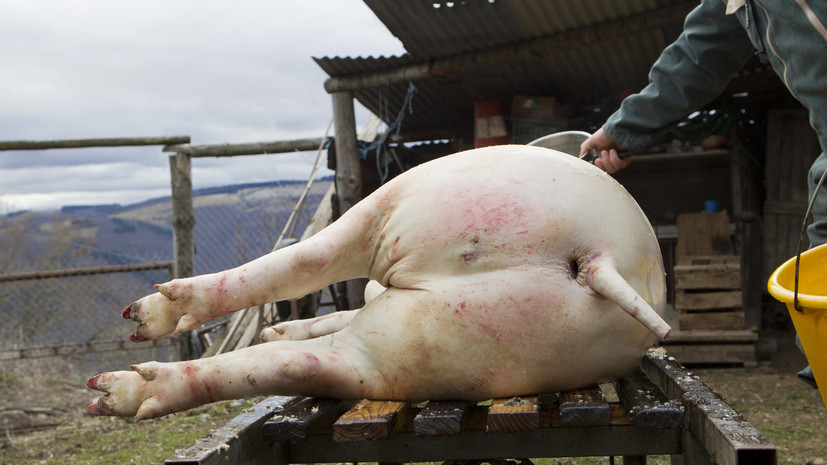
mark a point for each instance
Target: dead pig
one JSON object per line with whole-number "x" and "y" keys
{"x": 504, "y": 271}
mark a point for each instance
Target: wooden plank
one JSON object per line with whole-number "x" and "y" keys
{"x": 240, "y": 440}
{"x": 713, "y": 353}
{"x": 307, "y": 416}
{"x": 688, "y": 300}
{"x": 254, "y": 148}
{"x": 83, "y": 143}
{"x": 648, "y": 406}
{"x": 348, "y": 175}
{"x": 712, "y": 320}
{"x": 442, "y": 418}
{"x": 88, "y": 347}
{"x": 369, "y": 421}
{"x": 706, "y": 336}
{"x": 584, "y": 407}
{"x": 712, "y": 260}
{"x": 514, "y": 414}
{"x": 792, "y": 145}
{"x": 722, "y": 431}
{"x": 71, "y": 272}
{"x": 795, "y": 209}
{"x": 703, "y": 234}
{"x": 716, "y": 276}
{"x": 183, "y": 216}
{"x": 480, "y": 445}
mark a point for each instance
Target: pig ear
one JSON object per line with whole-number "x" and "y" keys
{"x": 607, "y": 281}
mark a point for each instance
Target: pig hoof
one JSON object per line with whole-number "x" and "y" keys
{"x": 124, "y": 393}
{"x": 172, "y": 310}
{"x": 287, "y": 331}
{"x": 136, "y": 393}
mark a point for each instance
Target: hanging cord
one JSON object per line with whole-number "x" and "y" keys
{"x": 801, "y": 238}
{"x": 288, "y": 230}
{"x": 293, "y": 221}
{"x": 395, "y": 127}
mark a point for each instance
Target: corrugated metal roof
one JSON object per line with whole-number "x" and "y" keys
{"x": 588, "y": 74}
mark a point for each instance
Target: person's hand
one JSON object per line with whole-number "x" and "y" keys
{"x": 608, "y": 161}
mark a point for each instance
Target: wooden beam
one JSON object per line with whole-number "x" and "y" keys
{"x": 183, "y": 230}
{"x": 370, "y": 420}
{"x": 442, "y": 418}
{"x": 254, "y": 148}
{"x": 348, "y": 169}
{"x": 585, "y": 407}
{"x": 83, "y": 143}
{"x": 183, "y": 217}
{"x": 87, "y": 347}
{"x": 68, "y": 272}
{"x": 348, "y": 175}
{"x": 525, "y": 50}
{"x": 719, "y": 429}
{"x": 240, "y": 440}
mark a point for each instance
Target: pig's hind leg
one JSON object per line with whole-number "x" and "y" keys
{"x": 300, "y": 330}
{"x": 339, "y": 252}
{"x": 319, "y": 367}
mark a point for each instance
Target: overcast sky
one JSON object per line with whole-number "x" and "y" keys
{"x": 220, "y": 72}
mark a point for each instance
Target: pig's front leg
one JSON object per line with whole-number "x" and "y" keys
{"x": 155, "y": 389}
{"x": 339, "y": 252}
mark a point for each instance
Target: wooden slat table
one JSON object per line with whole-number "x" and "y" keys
{"x": 660, "y": 409}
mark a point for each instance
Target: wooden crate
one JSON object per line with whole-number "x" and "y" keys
{"x": 713, "y": 347}
{"x": 708, "y": 293}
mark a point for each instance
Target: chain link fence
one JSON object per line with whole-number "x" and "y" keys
{"x": 115, "y": 254}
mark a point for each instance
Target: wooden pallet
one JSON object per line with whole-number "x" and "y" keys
{"x": 713, "y": 347}
{"x": 631, "y": 418}
{"x": 708, "y": 293}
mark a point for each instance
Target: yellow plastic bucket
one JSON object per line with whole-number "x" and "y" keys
{"x": 811, "y": 321}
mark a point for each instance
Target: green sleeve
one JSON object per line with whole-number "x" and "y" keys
{"x": 690, "y": 73}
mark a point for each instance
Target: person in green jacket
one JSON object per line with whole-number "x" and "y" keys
{"x": 719, "y": 37}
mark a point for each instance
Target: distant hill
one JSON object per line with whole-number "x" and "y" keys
{"x": 233, "y": 225}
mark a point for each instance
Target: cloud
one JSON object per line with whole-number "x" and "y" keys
{"x": 216, "y": 71}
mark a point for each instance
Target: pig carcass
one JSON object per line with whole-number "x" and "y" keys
{"x": 504, "y": 271}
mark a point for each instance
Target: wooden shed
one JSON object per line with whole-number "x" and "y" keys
{"x": 550, "y": 65}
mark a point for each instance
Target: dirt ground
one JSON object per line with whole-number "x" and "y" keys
{"x": 44, "y": 421}
{"x": 786, "y": 410}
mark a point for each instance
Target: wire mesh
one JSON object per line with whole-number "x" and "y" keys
{"x": 75, "y": 314}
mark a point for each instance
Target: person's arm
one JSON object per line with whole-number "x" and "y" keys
{"x": 690, "y": 73}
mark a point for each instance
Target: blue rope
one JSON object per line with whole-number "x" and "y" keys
{"x": 395, "y": 127}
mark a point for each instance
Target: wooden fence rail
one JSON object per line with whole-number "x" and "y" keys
{"x": 77, "y": 348}
{"x": 69, "y": 272}
{"x": 83, "y": 143}
{"x": 255, "y": 148}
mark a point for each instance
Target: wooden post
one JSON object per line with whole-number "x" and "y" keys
{"x": 183, "y": 224}
{"x": 348, "y": 170}
{"x": 348, "y": 174}
{"x": 183, "y": 218}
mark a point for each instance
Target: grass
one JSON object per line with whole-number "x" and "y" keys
{"x": 115, "y": 441}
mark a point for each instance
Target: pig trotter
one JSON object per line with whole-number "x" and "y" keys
{"x": 300, "y": 330}
{"x": 142, "y": 393}
{"x": 173, "y": 309}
